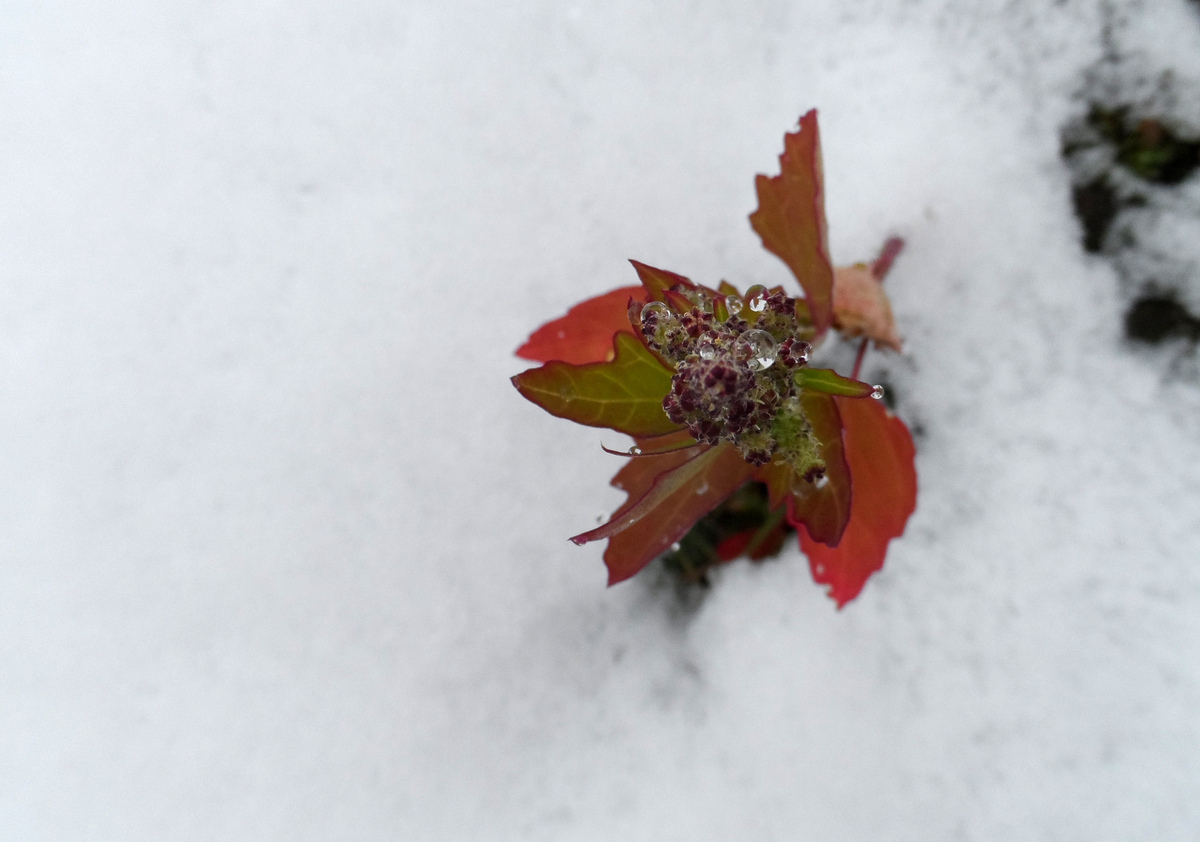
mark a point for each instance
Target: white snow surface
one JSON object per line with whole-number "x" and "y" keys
{"x": 283, "y": 554}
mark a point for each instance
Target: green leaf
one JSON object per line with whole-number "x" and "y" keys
{"x": 625, "y": 394}
{"x": 829, "y": 382}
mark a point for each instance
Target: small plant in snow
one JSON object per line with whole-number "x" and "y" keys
{"x": 738, "y": 439}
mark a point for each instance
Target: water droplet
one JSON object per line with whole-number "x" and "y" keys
{"x": 756, "y": 297}
{"x": 654, "y": 311}
{"x": 803, "y": 351}
{"x": 877, "y": 392}
{"x": 635, "y": 451}
{"x": 675, "y": 547}
{"x": 733, "y": 304}
{"x": 821, "y": 481}
{"x": 703, "y": 489}
{"x": 756, "y": 348}
{"x": 707, "y": 350}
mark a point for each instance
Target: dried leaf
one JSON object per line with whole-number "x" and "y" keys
{"x": 790, "y": 218}
{"x": 861, "y": 307}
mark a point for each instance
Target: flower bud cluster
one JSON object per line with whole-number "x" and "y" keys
{"x": 733, "y": 365}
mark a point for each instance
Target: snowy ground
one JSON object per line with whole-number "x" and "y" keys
{"x": 283, "y": 555}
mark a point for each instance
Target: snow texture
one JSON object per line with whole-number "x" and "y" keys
{"x": 283, "y": 554}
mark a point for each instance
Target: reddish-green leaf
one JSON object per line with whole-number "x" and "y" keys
{"x": 790, "y": 218}
{"x": 666, "y": 483}
{"x": 625, "y": 394}
{"x": 829, "y": 382}
{"x": 880, "y": 452}
{"x": 824, "y": 506}
{"x": 667, "y": 495}
{"x": 657, "y": 281}
{"x": 585, "y": 333}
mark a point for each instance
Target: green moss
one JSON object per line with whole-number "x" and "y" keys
{"x": 1147, "y": 148}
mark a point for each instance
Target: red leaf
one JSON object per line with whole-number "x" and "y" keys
{"x": 657, "y": 281}
{"x": 825, "y": 508}
{"x": 790, "y": 218}
{"x": 734, "y": 545}
{"x": 669, "y": 493}
{"x": 770, "y": 544}
{"x": 880, "y": 451}
{"x": 755, "y": 543}
{"x": 585, "y": 333}
{"x": 625, "y": 394}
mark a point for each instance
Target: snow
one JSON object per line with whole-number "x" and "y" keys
{"x": 283, "y": 555}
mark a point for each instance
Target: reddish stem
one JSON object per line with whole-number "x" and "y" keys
{"x": 858, "y": 360}
{"x": 641, "y": 453}
{"x": 887, "y": 256}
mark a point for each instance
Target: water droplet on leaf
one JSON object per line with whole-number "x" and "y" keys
{"x": 635, "y": 451}
{"x": 756, "y": 348}
{"x": 733, "y": 304}
{"x": 653, "y": 312}
{"x": 803, "y": 351}
{"x": 756, "y": 297}
{"x": 877, "y": 392}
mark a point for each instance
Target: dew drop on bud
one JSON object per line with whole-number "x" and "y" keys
{"x": 803, "y": 351}
{"x": 635, "y": 451}
{"x": 733, "y": 304}
{"x": 653, "y": 311}
{"x": 707, "y": 351}
{"x": 877, "y": 392}
{"x": 675, "y": 547}
{"x": 756, "y": 297}
{"x": 756, "y": 348}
